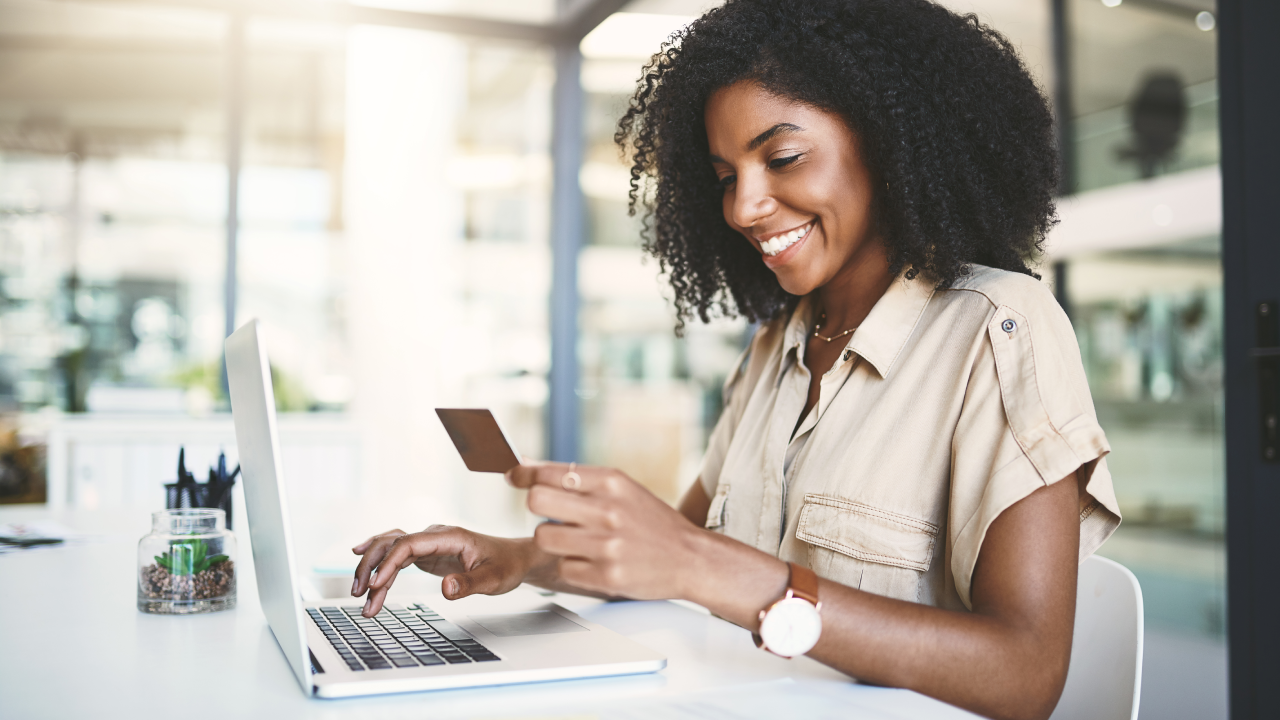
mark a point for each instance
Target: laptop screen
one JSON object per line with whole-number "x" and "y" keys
{"x": 254, "y": 412}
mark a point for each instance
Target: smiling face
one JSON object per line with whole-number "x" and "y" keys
{"x": 795, "y": 187}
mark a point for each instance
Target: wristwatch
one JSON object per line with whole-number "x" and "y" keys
{"x": 791, "y": 626}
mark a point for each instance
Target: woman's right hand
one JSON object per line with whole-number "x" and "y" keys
{"x": 469, "y": 562}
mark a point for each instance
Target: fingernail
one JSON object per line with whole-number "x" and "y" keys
{"x": 367, "y": 603}
{"x": 355, "y": 585}
{"x": 453, "y": 587}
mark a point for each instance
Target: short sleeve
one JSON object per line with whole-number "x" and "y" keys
{"x": 1027, "y": 421}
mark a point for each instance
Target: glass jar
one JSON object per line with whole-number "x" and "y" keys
{"x": 187, "y": 563}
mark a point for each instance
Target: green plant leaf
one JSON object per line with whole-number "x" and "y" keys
{"x": 180, "y": 558}
{"x": 217, "y": 559}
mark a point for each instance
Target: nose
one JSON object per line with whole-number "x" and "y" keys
{"x": 751, "y": 200}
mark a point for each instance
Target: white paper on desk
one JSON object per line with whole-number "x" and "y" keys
{"x": 37, "y": 529}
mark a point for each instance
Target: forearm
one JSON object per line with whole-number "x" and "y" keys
{"x": 992, "y": 666}
{"x": 975, "y": 661}
{"x": 1007, "y": 658}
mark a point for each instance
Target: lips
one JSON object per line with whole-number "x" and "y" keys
{"x": 777, "y": 244}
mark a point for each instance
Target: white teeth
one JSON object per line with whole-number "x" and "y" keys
{"x": 784, "y": 241}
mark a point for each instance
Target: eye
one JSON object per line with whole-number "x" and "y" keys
{"x": 726, "y": 181}
{"x": 783, "y": 162}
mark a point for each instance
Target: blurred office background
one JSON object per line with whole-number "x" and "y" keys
{"x": 394, "y": 166}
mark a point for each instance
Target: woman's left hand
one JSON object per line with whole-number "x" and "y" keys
{"x": 616, "y": 537}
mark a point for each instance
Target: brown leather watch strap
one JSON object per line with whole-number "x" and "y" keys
{"x": 803, "y": 583}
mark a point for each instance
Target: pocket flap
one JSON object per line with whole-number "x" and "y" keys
{"x": 867, "y": 533}
{"x": 715, "y": 513}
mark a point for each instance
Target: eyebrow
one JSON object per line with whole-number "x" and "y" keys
{"x": 772, "y": 132}
{"x": 765, "y": 137}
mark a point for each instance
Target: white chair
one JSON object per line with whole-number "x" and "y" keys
{"x": 1104, "y": 679}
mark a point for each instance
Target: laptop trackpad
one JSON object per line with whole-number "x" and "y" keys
{"x": 541, "y": 622}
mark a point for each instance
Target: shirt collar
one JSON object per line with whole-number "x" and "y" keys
{"x": 882, "y": 335}
{"x": 801, "y": 324}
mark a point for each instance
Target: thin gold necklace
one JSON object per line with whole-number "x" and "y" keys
{"x": 823, "y": 319}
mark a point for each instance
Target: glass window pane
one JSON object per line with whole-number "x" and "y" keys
{"x": 649, "y": 398}
{"x": 113, "y": 194}
{"x": 1146, "y": 303}
{"x": 1145, "y": 89}
{"x": 291, "y": 243}
{"x": 444, "y": 263}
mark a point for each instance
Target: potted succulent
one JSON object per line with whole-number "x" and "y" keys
{"x": 186, "y": 564}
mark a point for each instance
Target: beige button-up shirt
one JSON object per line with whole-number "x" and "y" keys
{"x": 945, "y": 408}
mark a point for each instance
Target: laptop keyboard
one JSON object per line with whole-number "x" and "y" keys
{"x": 397, "y": 637}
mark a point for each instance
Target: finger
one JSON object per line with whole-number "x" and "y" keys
{"x": 372, "y": 556}
{"x": 588, "y": 479}
{"x": 570, "y": 507}
{"x": 408, "y": 549}
{"x": 362, "y": 547}
{"x": 587, "y": 575}
{"x": 384, "y": 578}
{"x": 373, "y": 605}
{"x": 378, "y": 547}
{"x": 485, "y": 580}
{"x": 522, "y": 475}
{"x": 575, "y": 542}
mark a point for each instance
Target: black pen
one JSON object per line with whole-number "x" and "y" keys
{"x": 28, "y": 541}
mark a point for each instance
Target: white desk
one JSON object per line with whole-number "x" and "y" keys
{"x": 73, "y": 645}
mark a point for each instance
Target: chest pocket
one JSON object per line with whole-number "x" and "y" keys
{"x": 864, "y": 547}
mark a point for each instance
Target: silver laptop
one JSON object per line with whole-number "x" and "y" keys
{"x": 335, "y": 652}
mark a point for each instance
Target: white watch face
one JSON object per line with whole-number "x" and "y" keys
{"x": 791, "y": 627}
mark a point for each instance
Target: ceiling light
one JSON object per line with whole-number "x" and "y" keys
{"x": 1205, "y": 20}
{"x": 1111, "y": 3}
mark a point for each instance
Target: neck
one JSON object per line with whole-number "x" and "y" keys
{"x": 848, "y": 297}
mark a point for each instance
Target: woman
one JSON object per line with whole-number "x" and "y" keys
{"x": 867, "y": 179}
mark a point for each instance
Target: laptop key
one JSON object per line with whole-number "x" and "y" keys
{"x": 456, "y": 659}
{"x": 484, "y": 657}
{"x": 430, "y": 659}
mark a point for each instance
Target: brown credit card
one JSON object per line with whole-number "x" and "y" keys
{"x": 483, "y": 445}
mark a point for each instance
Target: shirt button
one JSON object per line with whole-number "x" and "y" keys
{"x": 1009, "y": 326}
{"x": 847, "y": 354}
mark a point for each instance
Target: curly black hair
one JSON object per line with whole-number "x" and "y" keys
{"x": 951, "y": 125}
